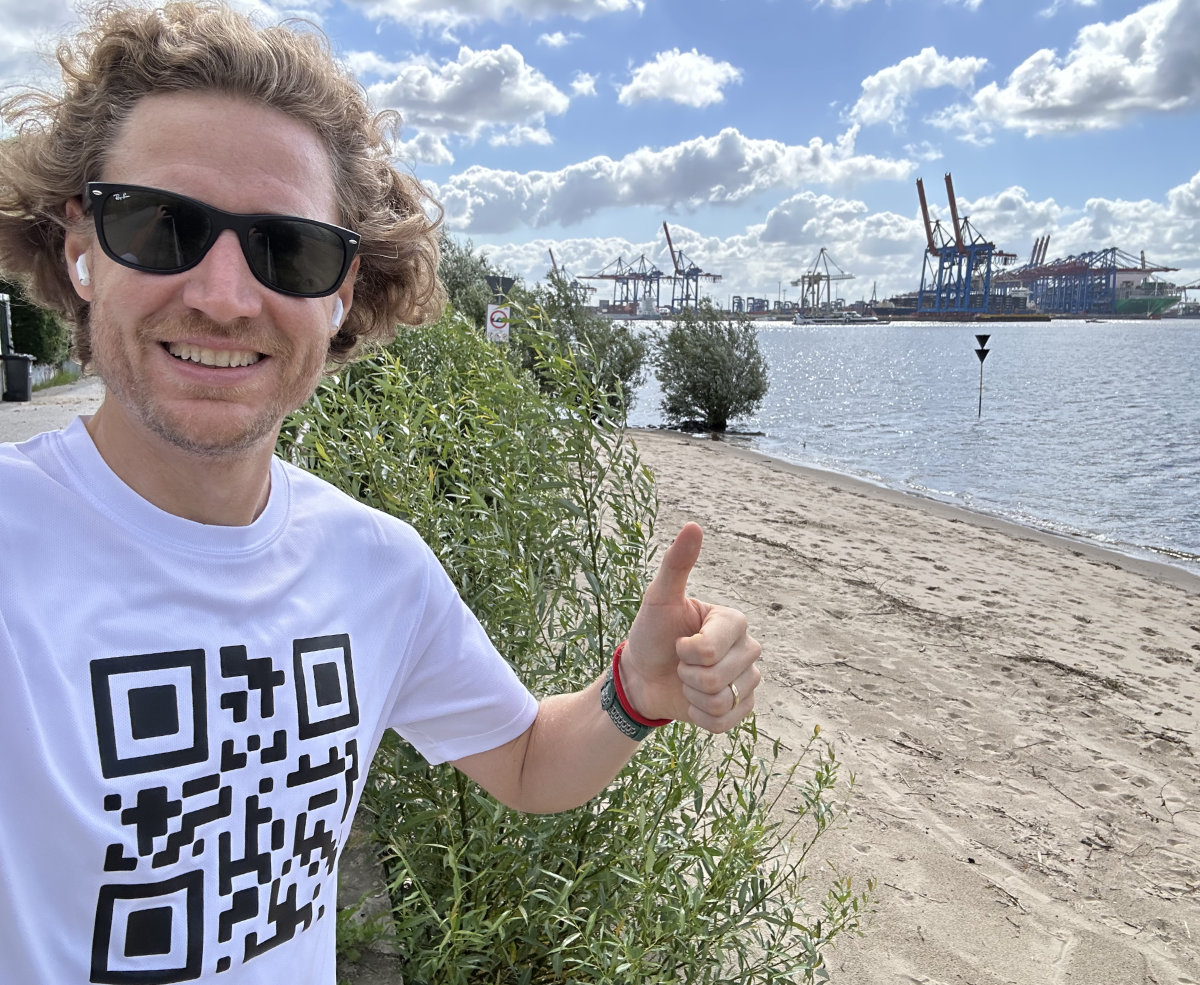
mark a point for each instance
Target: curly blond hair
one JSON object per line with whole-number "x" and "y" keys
{"x": 127, "y": 52}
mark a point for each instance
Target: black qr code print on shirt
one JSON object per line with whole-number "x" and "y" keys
{"x": 226, "y": 800}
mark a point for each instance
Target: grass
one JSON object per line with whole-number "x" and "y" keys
{"x": 60, "y": 378}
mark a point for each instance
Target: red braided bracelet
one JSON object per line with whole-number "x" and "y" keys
{"x": 652, "y": 722}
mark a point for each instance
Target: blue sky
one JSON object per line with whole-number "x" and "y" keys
{"x": 765, "y": 130}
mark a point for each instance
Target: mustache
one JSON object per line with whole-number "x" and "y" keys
{"x": 242, "y": 331}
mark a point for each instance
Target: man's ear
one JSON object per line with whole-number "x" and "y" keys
{"x": 75, "y": 252}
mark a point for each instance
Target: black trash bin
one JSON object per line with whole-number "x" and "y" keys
{"x": 18, "y": 376}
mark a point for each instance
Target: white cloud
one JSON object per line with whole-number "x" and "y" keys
{"x": 583, "y": 84}
{"x": 519, "y": 135}
{"x": 924, "y": 151}
{"x": 887, "y": 94}
{"x": 558, "y": 39}
{"x": 1185, "y": 199}
{"x": 491, "y": 92}
{"x": 686, "y": 77}
{"x": 424, "y": 148}
{"x": 30, "y": 31}
{"x": 447, "y": 14}
{"x": 718, "y": 170}
{"x": 1144, "y": 63}
{"x": 848, "y": 4}
{"x": 371, "y": 64}
{"x": 1058, "y": 5}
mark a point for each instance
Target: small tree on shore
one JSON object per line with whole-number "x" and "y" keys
{"x": 710, "y": 368}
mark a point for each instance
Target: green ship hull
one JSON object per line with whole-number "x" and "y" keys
{"x": 1146, "y": 299}
{"x": 1144, "y": 307}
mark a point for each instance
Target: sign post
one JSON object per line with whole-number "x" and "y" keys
{"x": 498, "y": 312}
{"x": 982, "y": 353}
{"x": 497, "y": 322}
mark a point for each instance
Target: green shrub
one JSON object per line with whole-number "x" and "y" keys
{"x": 35, "y": 331}
{"x": 612, "y": 352}
{"x": 540, "y": 509}
{"x": 710, "y": 368}
{"x": 464, "y": 274}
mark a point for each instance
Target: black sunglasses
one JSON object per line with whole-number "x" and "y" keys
{"x": 164, "y": 233}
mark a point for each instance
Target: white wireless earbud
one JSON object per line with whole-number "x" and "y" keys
{"x": 339, "y": 309}
{"x": 81, "y": 270}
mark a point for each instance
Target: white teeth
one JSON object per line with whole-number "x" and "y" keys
{"x": 212, "y": 357}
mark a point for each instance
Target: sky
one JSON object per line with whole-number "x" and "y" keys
{"x": 765, "y": 131}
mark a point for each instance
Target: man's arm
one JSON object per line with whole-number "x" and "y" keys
{"x": 680, "y": 660}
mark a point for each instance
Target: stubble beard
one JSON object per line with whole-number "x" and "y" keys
{"x": 202, "y": 431}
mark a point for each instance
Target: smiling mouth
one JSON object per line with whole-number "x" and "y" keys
{"x": 212, "y": 357}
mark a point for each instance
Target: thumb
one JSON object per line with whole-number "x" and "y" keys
{"x": 670, "y": 584}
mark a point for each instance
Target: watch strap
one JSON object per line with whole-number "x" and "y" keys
{"x": 616, "y": 711}
{"x": 614, "y": 701}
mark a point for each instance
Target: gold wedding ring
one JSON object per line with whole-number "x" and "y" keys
{"x": 736, "y": 696}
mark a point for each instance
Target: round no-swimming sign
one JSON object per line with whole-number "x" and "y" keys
{"x": 497, "y": 322}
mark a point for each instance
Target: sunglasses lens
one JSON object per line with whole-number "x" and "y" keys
{"x": 296, "y": 256}
{"x": 154, "y": 231}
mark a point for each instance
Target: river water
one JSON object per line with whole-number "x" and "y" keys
{"x": 1089, "y": 429}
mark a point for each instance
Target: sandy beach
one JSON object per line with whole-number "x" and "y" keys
{"x": 1020, "y": 712}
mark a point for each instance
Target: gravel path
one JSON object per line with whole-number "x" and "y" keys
{"x": 51, "y": 408}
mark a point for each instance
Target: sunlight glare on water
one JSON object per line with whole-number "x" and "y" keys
{"x": 1087, "y": 429}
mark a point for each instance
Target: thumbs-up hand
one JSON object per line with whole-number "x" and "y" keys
{"x": 687, "y": 659}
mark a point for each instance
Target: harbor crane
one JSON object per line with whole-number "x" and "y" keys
{"x": 579, "y": 292}
{"x": 816, "y": 285}
{"x": 685, "y": 282}
{"x": 636, "y": 286}
{"x": 1040, "y": 246}
{"x": 1098, "y": 282}
{"x": 956, "y": 275}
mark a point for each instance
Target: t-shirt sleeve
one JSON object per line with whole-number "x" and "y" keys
{"x": 459, "y": 696}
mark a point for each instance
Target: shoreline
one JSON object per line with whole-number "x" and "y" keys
{"x": 1151, "y": 567}
{"x": 57, "y": 406}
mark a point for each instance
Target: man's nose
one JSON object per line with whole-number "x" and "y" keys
{"x": 222, "y": 285}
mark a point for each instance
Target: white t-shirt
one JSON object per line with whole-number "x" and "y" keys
{"x": 187, "y": 713}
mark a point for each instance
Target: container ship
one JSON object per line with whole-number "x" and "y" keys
{"x": 1145, "y": 299}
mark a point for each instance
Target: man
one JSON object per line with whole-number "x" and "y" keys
{"x": 201, "y": 646}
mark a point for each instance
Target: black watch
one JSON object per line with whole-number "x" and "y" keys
{"x": 620, "y": 717}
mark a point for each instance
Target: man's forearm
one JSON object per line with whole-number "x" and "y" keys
{"x": 571, "y": 752}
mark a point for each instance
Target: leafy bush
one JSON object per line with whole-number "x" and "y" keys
{"x": 613, "y": 353}
{"x": 710, "y": 368}
{"x": 464, "y": 274}
{"x": 35, "y": 331}
{"x": 539, "y": 507}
